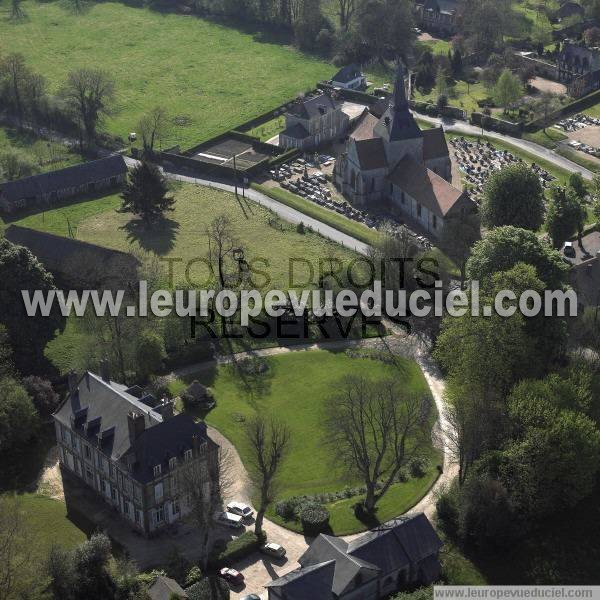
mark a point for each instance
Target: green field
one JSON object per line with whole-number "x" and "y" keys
{"x": 44, "y": 155}
{"x": 183, "y": 235}
{"x": 269, "y": 129}
{"x": 461, "y": 94}
{"x": 295, "y": 390}
{"x": 209, "y": 76}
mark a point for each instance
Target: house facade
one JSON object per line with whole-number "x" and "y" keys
{"x": 579, "y": 68}
{"x": 131, "y": 451}
{"x": 389, "y": 158}
{"x": 46, "y": 189}
{"x": 437, "y": 16}
{"x": 312, "y": 121}
{"x": 396, "y": 555}
{"x": 350, "y": 77}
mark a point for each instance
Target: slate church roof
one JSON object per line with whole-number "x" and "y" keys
{"x": 347, "y": 74}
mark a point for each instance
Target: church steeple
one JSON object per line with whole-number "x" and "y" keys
{"x": 399, "y": 100}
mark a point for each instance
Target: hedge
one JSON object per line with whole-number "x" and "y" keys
{"x": 236, "y": 549}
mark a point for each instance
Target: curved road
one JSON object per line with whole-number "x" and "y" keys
{"x": 259, "y": 570}
{"x": 462, "y": 127}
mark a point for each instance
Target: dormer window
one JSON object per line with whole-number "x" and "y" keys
{"x": 172, "y": 463}
{"x": 157, "y": 470}
{"x": 187, "y": 455}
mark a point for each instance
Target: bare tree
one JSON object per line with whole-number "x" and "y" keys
{"x": 269, "y": 442}
{"x": 345, "y": 12}
{"x": 90, "y": 94}
{"x": 15, "y": 76}
{"x": 376, "y": 428}
{"x": 204, "y": 483}
{"x": 153, "y": 127}
{"x": 546, "y": 104}
{"x": 224, "y": 251}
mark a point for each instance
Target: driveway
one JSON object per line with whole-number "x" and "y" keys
{"x": 258, "y": 570}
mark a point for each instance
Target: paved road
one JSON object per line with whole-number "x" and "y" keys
{"x": 531, "y": 147}
{"x": 282, "y": 210}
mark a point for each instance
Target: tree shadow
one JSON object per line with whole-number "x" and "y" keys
{"x": 158, "y": 237}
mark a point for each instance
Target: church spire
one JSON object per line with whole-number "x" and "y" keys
{"x": 399, "y": 100}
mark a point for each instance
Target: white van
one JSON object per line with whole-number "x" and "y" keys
{"x": 228, "y": 519}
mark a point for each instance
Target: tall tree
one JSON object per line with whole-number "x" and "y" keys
{"x": 18, "y": 418}
{"x": 507, "y": 90}
{"x": 146, "y": 193}
{"x": 566, "y": 215}
{"x": 503, "y": 247}
{"x": 546, "y": 104}
{"x": 269, "y": 443}
{"x": 346, "y": 10}
{"x": 376, "y": 428}
{"x": 19, "y": 82}
{"x": 513, "y": 196}
{"x": 20, "y": 271}
{"x": 90, "y": 94}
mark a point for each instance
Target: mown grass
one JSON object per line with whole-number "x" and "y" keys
{"x": 549, "y": 138}
{"x": 296, "y": 390}
{"x": 460, "y": 94}
{"x": 577, "y": 158}
{"x": 269, "y": 129}
{"x": 182, "y": 236}
{"x": 341, "y": 223}
{"x": 209, "y": 76}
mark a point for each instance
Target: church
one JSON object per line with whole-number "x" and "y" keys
{"x": 390, "y": 159}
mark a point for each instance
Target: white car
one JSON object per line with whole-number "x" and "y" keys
{"x": 228, "y": 519}
{"x": 241, "y": 509}
{"x": 273, "y": 549}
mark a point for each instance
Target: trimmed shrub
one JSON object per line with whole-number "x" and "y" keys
{"x": 286, "y": 509}
{"x": 314, "y": 518}
{"x": 194, "y": 576}
{"x": 418, "y": 467}
{"x": 236, "y": 549}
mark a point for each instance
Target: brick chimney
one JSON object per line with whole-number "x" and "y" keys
{"x": 105, "y": 370}
{"x": 73, "y": 380}
{"x": 136, "y": 425}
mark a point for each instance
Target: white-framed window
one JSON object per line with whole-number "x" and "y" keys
{"x": 113, "y": 493}
{"x": 172, "y": 463}
{"x": 187, "y": 455}
{"x": 158, "y": 492}
{"x": 138, "y": 517}
{"x": 176, "y": 508}
{"x": 160, "y": 514}
{"x": 157, "y": 470}
{"x": 137, "y": 492}
{"x": 126, "y": 507}
{"x": 87, "y": 452}
{"x": 89, "y": 474}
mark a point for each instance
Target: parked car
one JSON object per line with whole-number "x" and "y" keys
{"x": 231, "y": 575}
{"x": 273, "y": 549}
{"x": 569, "y": 249}
{"x": 241, "y": 509}
{"x": 228, "y": 519}
{"x": 250, "y": 597}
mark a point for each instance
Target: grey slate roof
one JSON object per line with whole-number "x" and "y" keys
{"x": 408, "y": 539}
{"x": 347, "y": 74}
{"x": 98, "y": 405}
{"x": 296, "y": 131}
{"x": 434, "y": 144}
{"x": 307, "y": 583}
{"x": 397, "y": 119}
{"x": 164, "y": 587}
{"x": 444, "y": 6}
{"x": 371, "y": 154}
{"x": 347, "y": 567}
{"x": 53, "y": 181}
{"x": 307, "y": 108}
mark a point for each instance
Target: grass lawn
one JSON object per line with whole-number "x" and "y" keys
{"x": 209, "y": 76}
{"x": 182, "y": 237}
{"x": 577, "y": 158}
{"x": 593, "y": 111}
{"x": 269, "y": 129}
{"x": 548, "y": 138}
{"x": 47, "y": 156}
{"x": 295, "y": 390}
{"x": 344, "y": 224}
{"x": 462, "y": 95}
